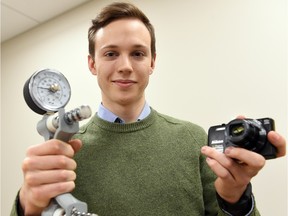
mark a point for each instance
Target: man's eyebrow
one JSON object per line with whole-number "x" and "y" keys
{"x": 141, "y": 46}
{"x": 112, "y": 46}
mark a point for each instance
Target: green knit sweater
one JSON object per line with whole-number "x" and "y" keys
{"x": 151, "y": 167}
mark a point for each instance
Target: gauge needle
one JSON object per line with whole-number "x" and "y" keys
{"x": 53, "y": 88}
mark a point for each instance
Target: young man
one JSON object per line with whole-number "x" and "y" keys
{"x": 134, "y": 160}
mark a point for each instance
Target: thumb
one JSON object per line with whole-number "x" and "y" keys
{"x": 279, "y": 142}
{"x": 76, "y": 144}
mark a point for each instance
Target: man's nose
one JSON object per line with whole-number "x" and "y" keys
{"x": 125, "y": 64}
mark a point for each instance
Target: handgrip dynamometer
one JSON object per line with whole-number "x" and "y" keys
{"x": 47, "y": 92}
{"x": 62, "y": 127}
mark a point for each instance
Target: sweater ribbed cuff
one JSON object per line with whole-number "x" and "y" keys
{"x": 244, "y": 206}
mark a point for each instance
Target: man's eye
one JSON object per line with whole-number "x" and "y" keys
{"x": 110, "y": 54}
{"x": 139, "y": 54}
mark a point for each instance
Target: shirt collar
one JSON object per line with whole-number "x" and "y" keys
{"x": 107, "y": 115}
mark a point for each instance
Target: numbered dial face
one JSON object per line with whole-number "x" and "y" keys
{"x": 48, "y": 90}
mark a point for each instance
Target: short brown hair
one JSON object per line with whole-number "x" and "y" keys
{"x": 116, "y": 11}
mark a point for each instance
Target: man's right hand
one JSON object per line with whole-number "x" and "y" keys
{"x": 48, "y": 171}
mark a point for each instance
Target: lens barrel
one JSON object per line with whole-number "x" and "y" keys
{"x": 245, "y": 133}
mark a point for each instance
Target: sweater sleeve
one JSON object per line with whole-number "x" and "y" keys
{"x": 16, "y": 211}
{"x": 208, "y": 178}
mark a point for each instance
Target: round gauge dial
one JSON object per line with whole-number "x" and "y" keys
{"x": 47, "y": 91}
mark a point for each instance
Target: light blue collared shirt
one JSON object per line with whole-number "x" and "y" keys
{"x": 107, "y": 115}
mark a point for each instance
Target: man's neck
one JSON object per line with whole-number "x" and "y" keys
{"x": 128, "y": 112}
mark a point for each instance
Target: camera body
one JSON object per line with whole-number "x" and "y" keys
{"x": 250, "y": 134}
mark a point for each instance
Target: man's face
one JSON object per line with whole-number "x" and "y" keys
{"x": 123, "y": 62}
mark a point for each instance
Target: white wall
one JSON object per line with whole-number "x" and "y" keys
{"x": 215, "y": 60}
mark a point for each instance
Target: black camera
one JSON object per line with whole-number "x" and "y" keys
{"x": 250, "y": 134}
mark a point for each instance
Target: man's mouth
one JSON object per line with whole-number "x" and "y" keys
{"x": 124, "y": 83}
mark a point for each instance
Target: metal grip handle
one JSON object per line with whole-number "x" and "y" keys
{"x": 65, "y": 203}
{"x": 63, "y": 127}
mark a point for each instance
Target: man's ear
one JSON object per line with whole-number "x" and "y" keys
{"x": 153, "y": 60}
{"x": 91, "y": 65}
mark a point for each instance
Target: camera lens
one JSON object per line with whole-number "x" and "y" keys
{"x": 244, "y": 133}
{"x": 237, "y": 130}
